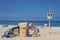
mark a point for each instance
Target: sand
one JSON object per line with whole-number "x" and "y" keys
{"x": 45, "y": 34}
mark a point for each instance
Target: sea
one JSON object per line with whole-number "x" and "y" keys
{"x": 38, "y": 23}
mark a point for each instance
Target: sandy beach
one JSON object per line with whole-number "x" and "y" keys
{"x": 45, "y": 34}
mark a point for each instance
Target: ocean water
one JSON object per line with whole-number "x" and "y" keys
{"x": 39, "y": 23}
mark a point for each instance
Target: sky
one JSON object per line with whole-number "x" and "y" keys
{"x": 29, "y": 10}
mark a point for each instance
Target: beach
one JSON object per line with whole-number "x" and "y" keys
{"x": 29, "y": 19}
{"x": 46, "y": 33}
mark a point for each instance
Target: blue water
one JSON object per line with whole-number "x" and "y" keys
{"x": 39, "y": 23}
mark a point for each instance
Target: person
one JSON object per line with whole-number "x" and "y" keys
{"x": 34, "y": 28}
{"x": 36, "y": 31}
{"x": 31, "y": 26}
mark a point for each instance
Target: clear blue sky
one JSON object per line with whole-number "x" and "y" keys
{"x": 34, "y": 10}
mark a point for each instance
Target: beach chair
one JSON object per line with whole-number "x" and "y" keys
{"x": 23, "y": 29}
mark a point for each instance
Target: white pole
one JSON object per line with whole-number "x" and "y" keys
{"x": 49, "y": 22}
